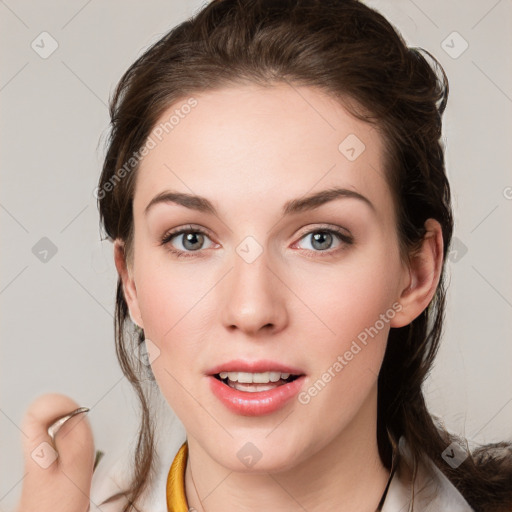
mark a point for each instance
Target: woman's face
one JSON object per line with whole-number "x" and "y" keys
{"x": 265, "y": 272}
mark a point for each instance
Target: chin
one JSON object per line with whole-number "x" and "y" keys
{"x": 256, "y": 454}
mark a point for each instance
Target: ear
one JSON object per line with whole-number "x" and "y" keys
{"x": 129, "y": 289}
{"x": 424, "y": 273}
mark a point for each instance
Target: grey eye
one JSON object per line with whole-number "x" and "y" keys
{"x": 320, "y": 240}
{"x": 192, "y": 241}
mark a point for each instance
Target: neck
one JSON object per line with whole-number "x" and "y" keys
{"x": 346, "y": 474}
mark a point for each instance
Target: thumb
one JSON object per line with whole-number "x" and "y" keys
{"x": 57, "y": 475}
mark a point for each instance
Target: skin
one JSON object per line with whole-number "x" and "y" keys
{"x": 249, "y": 150}
{"x": 62, "y": 486}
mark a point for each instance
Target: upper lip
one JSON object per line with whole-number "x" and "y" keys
{"x": 261, "y": 366}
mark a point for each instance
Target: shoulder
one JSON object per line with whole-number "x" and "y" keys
{"x": 113, "y": 474}
{"x": 109, "y": 478}
{"x": 429, "y": 491}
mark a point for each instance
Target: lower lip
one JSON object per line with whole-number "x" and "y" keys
{"x": 257, "y": 403}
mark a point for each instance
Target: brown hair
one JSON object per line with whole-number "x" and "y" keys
{"x": 352, "y": 53}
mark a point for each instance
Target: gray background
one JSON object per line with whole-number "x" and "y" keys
{"x": 57, "y": 316}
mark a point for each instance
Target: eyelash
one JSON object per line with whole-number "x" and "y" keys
{"x": 342, "y": 237}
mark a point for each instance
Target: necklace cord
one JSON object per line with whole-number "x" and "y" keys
{"x": 193, "y": 482}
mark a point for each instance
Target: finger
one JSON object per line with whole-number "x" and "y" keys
{"x": 58, "y": 476}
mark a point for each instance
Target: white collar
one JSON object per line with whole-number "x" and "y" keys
{"x": 432, "y": 490}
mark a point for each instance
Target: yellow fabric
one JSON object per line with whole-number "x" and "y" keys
{"x": 175, "y": 489}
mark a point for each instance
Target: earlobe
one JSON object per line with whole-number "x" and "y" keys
{"x": 129, "y": 288}
{"x": 424, "y": 273}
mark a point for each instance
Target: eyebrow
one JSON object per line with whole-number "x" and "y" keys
{"x": 311, "y": 202}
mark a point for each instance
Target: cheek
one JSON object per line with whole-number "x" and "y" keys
{"x": 354, "y": 307}
{"x": 345, "y": 366}
{"x": 169, "y": 306}
{"x": 348, "y": 300}
{"x": 167, "y": 296}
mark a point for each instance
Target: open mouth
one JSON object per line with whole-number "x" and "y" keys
{"x": 254, "y": 387}
{"x": 255, "y": 393}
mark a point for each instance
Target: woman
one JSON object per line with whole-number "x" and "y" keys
{"x": 275, "y": 189}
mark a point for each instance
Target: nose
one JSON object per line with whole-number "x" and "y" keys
{"x": 254, "y": 298}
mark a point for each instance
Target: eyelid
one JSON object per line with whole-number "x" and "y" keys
{"x": 326, "y": 227}
{"x": 185, "y": 228}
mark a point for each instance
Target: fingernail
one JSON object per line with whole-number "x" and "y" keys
{"x": 57, "y": 424}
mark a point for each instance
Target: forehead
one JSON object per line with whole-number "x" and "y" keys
{"x": 248, "y": 144}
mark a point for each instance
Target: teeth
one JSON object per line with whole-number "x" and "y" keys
{"x": 259, "y": 378}
{"x": 252, "y": 388}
